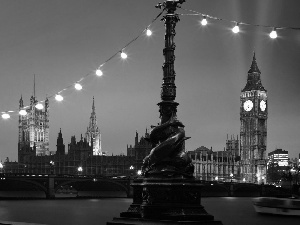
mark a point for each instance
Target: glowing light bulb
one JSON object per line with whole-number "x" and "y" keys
{"x": 23, "y": 112}
{"x": 149, "y": 32}
{"x": 123, "y": 55}
{"x": 204, "y": 21}
{"x": 78, "y": 86}
{"x": 5, "y": 116}
{"x": 39, "y": 106}
{"x": 236, "y": 29}
{"x": 273, "y": 34}
{"x": 59, "y": 98}
{"x": 99, "y": 72}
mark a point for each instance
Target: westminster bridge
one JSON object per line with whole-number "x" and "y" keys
{"x": 53, "y": 185}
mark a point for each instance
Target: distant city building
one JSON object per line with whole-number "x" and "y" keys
{"x": 93, "y": 135}
{"x": 140, "y": 149}
{"x": 33, "y": 129}
{"x": 78, "y": 160}
{"x": 218, "y": 165}
{"x": 34, "y": 155}
{"x": 253, "y": 129}
{"x": 279, "y": 157}
{"x": 277, "y": 165}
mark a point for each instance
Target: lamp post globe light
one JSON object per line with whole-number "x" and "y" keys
{"x": 231, "y": 177}
{"x": 51, "y": 167}
{"x": 79, "y": 169}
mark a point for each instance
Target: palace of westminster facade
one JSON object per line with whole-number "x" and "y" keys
{"x": 242, "y": 160}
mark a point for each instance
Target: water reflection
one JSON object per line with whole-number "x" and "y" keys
{"x": 230, "y": 210}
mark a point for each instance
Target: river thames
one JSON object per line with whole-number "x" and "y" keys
{"x": 230, "y": 210}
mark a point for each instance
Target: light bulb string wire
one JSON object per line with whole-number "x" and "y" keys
{"x": 196, "y": 13}
{"x": 101, "y": 65}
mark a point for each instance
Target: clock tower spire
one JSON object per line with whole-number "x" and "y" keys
{"x": 253, "y": 129}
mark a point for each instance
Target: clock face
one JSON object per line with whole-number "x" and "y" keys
{"x": 248, "y": 105}
{"x": 262, "y": 105}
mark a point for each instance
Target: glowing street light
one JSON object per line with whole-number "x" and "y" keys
{"x": 5, "y": 116}
{"x": 39, "y": 106}
{"x": 23, "y": 112}
{"x": 149, "y": 32}
{"x": 204, "y": 21}
{"x": 79, "y": 169}
{"x": 78, "y": 86}
{"x": 123, "y": 55}
{"x": 273, "y": 34}
{"x": 99, "y": 72}
{"x": 59, "y": 98}
{"x": 236, "y": 28}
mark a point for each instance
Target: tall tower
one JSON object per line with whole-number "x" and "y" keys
{"x": 60, "y": 146}
{"x": 93, "y": 133}
{"x": 33, "y": 129}
{"x": 253, "y": 130}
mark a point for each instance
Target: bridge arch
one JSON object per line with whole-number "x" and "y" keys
{"x": 95, "y": 185}
{"x": 241, "y": 190}
{"x": 215, "y": 189}
{"x": 35, "y": 183}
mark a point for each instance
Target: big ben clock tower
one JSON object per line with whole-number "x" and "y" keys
{"x": 253, "y": 130}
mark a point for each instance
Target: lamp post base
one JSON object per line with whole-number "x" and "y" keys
{"x": 166, "y": 201}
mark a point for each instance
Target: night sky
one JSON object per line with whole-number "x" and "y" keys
{"x": 63, "y": 41}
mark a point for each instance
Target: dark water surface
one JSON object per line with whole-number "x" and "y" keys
{"x": 230, "y": 210}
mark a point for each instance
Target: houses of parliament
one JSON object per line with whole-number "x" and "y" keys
{"x": 243, "y": 158}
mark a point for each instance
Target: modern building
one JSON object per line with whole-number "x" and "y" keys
{"x": 277, "y": 166}
{"x": 33, "y": 129}
{"x": 279, "y": 157}
{"x": 93, "y": 135}
{"x": 253, "y": 128}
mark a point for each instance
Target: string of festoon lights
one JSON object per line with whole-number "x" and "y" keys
{"x": 98, "y": 72}
{"x": 236, "y": 28}
{"x": 77, "y": 85}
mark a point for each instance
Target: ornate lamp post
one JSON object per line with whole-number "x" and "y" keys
{"x": 167, "y": 192}
{"x": 168, "y": 156}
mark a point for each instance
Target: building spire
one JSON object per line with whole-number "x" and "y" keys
{"x": 34, "y": 85}
{"x": 254, "y": 67}
{"x": 93, "y": 106}
{"x": 21, "y": 102}
{"x": 253, "y": 80}
{"x": 92, "y": 134}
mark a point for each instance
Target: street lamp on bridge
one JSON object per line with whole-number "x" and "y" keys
{"x": 79, "y": 169}
{"x": 51, "y": 167}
